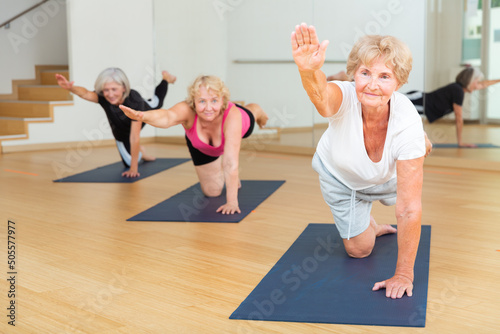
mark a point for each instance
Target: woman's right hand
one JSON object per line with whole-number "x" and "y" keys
{"x": 132, "y": 114}
{"x": 308, "y": 53}
{"x": 63, "y": 82}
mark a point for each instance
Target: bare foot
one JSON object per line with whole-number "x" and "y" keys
{"x": 262, "y": 121}
{"x": 381, "y": 229}
{"x": 168, "y": 77}
{"x": 148, "y": 158}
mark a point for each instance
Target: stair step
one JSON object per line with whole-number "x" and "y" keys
{"x": 9, "y": 137}
{"x": 10, "y": 127}
{"x": 48, "y": 77}
{"x": 29, "y": 109}
{"x": 43, "y": 93}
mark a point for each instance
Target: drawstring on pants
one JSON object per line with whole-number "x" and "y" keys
{"x": 352, "y": 212}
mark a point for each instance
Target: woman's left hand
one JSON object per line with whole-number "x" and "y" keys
{"x": 395, "y": 286}
{"x": 229, "y": 209}
{"x": 131, "y": 173}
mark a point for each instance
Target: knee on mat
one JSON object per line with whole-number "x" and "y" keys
{"x": 358, "y": 252}
{"x": 212, "y": 191}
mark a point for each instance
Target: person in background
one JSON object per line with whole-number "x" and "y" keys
{"x": 449, "y": 98}
{"x": 111, "y": 89}
{"x": 214, "y": 127}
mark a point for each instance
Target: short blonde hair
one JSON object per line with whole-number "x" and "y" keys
{"x": 112, "y": 74}
{"x": 210, "y": 82}
{"x": 395, "y": 53}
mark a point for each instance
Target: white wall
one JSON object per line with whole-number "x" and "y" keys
{"x": 444, "y": 41}
{"x": 111, "y": 33}
{"x": 191, "y": 39}
{"x": 37, "y": 38}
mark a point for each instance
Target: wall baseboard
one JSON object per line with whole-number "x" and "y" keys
{"x": 64, "y": 145}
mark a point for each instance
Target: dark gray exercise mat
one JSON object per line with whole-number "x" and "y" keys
{"x": 316, "y": 281}
{"x": 191, "y": 205}
{"x": 451, "y": 145}
{"x": 113, "y": 173}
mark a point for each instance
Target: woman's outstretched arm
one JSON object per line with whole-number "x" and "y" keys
{"x": 161, "y": 118}
{"x": 309, "y": 55}
{"x": 82, "y": 92}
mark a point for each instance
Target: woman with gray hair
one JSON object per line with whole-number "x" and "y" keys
{"x": 449, "y": 98}
{"x": 112, "y": 89}
{"x": 373, "y": 148}
{"x": 214, "y": 127}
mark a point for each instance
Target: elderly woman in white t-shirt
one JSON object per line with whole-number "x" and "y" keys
{"x": 374, "y": 146}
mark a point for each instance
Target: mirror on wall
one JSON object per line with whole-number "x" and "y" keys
{"x": 247, "y": 43}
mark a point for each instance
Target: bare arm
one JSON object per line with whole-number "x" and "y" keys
{"x": 459, "y": 120}
{"x": 181, "y": 113}
{"x": 77, "y": 90}
{"x": 486, "y": 83}
{"x": 230, "y": 161}
{"x": 408, "y": 215}
{"x": 309, "y": 55}
{"x": 135, "y": 148}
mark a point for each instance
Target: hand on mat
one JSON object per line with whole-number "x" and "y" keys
{"x": 131, "y": 173}
{"x": 428, "y": 145}
{"x": 131, "y": 113}
{"x": 229, "y": 209}
{"x": 395, "y": 286}
{"x": 466, "y": 145}
{"x": 308, "y": 53}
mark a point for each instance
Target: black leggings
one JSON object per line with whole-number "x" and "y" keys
{"x": 417, "y": 98}
{"x": 160, "y": 92}
{"x": 154, "y": 103}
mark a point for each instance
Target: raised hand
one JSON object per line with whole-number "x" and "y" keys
{"x": 308, "y": 53}
{"x": 63, "y": 82}
{"x": 132, "y": 114}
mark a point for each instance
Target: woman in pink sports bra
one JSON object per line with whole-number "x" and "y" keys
{"x": 214, "y": 128}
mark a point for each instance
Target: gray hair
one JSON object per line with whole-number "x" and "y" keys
{"x": 112, "y": 74}
{"x": 467, "y": 76}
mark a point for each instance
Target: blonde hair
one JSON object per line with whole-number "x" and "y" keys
{"x": 395, "y": 53}
{"x": 112, "y": 74}
{"x": 210, "y": 82}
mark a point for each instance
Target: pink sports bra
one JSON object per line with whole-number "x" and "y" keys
{"x": 208, "y": 149}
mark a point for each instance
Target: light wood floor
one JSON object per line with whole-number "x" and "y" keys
{"x": 82, "y": 268}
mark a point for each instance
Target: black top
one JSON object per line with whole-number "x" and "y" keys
{"x": 440, "y": 102}
{"x": 119, "y": 122}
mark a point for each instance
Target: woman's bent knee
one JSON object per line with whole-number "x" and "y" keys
{"x": 211, "y": 191}
{"x": 358, "y": 252}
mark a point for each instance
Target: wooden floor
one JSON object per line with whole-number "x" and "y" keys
{"x": 82, "y": 268}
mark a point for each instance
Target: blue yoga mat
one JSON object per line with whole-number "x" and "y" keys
{"x": 445, "y": 145}
{"x": 113, "y": 173}
{"x": 191, "y": 205}
{"x": 316, "y": 281}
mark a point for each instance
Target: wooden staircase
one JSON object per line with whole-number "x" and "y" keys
{"x": 32, "y": 101}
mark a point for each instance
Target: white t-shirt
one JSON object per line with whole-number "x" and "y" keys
{"x": 342, "y": 148}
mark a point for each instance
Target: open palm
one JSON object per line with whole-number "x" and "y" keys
{"x": 63, "y": 82}
{"x": 308, "y": 53}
